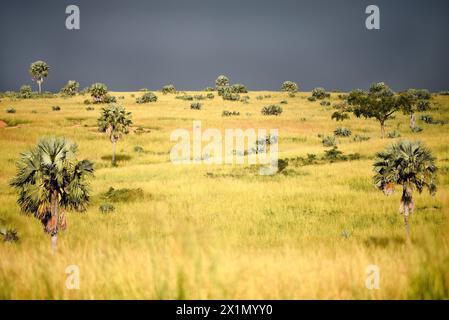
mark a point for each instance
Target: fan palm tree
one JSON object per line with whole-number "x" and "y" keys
{"x": 115, "y": 121}
{"x": 38, "y": 71}
{"x": 49, "y": 178}
{"x": 410, "y": 165}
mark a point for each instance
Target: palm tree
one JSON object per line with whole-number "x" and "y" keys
{"x": 38, "y": 71}
{"x": 410, "y": 165}
{"x": 115, "y": 121}
{"x": 50, "y": 178}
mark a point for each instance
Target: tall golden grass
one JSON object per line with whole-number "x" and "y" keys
{"x": 223, "y": 231}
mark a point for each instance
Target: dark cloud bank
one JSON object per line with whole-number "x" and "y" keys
{"x": 133, "y": 44}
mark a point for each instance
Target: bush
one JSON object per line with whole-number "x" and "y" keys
{"x": 90, "y": 108}
{"x": 71, "y": 88}
{"x": 184, "y": 97}
{"x": 333, "y": 154}
{"x": 291, "y": 94}
{"x": 360, "y": 138}
{"x": 196, "y": 106}
{"x": 329, "y": 141}
{"x": 259, "y": 98}
{"x": 139, "y": 149}
{"x": 168, "y": 89}
{"x": 199, "y": 97}
{"x": 342, "y": 132}
{"x": 147, "y": 97}
{"x": 283, "y": 102}
{"x": 222, "y": 81}
{"x": 209, "y": 89}
{"x": 227, "y": 94}
{"x": 325, "y": 103}
{"x": 289, "y": 86}
{"x": 320, "y": 93}
{"x": 311, "y": 99}
{"x": 98, "y": 92}
{"x": 106, "y": 208}
{"x": 9, "y": 235}
{"x": 56, "y": 108}
{"x": 10, "y": 110}
{"x": 25, "y": 92}
{"x": 239, "y": 88}
{"x": 86, "y": 101}
{"x": 210, "y": 96}
{"x": 123, "y": 195}
{"x": 416, "y": 129}
{"x": 109, "y": 99}
{"x": 273, "y": 110}
{"x": 227, "y": 113}
{"x": 444, "y": 93}
{"x": 393, "y": 134}
{"x": 339, "y": 116}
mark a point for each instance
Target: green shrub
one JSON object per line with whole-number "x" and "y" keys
{"x": 416, "y": 129}
{"x": 147, "y": 98}
{"x": 342, "y": 132}
{"x": 168, "y": 89}
{"x": 56, "y": 108}
{"x": 109, "y": 99}
{"x": 71, "y": 88}
{"x": 123, "y": 195}
{"x": 393, "y": 134}
{"x": 25, "y": 92}
{"x": 329, "y": 141}
{"x": 339, "y": 116}
{"x": 311, "y": 99}
{"x": 325, "y": 103}
{"x": 239, "y": 88}
{"x": 272, "y": 110}
{"x": 139, "y": 149}
{"x": 106, "y": 208}
{"x": 90, "y": 108}
{"x": 289, "y": 86}
{"x": 222, "y": 81}
{"x": 320, "y": 93}
{"x": 227, "y": 113}
{"x": 184, "y": 97}
{"x": 86, "y": 101}
{"x": 210, "y": 96}
{"x": 199, "y": 97}
{"x": 259, "y": 98}
{"x": 98, "y": 92}
{"x": 196, "y": 106}
{"x": 284, "y": 102}
{"x": 8, "y": 235}
{"x": 227, "y": 94}
{"x": 10, "y": 110}
{"x": 360, "y": 138}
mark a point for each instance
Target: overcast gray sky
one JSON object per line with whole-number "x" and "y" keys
{"x": 133, "y": 44}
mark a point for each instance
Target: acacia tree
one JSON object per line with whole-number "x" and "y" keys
{"x": 50, "y": 178}
{"x": 409, "y": 165}
{"x": 380, "y": 103}
{"x": 415, "y": 100}
{"x": 38, "y": 71}
{"x": 115, "y": 121}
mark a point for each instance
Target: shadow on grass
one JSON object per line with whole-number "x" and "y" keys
{"x": 118, "y": 157}
{"x": 383, "y": 242}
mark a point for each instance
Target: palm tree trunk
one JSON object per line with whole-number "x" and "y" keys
{"x": 113, "y": 151}
{"x": 412, "y": 121}
{"x": 406, "y": 209}
{"x": 39, "y": 83}
{"x": 382, "y": 130}
{"x": 52, "y": 225}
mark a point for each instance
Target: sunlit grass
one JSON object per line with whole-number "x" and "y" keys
{"x": 223, "y": 231}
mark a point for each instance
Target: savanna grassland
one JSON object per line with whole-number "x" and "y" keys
{"x": 223, "y": 231}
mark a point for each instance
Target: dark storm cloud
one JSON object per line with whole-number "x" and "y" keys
{"x": 133, "y": 44}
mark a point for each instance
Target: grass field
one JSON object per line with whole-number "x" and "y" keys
{"x": 223, "y": 231}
